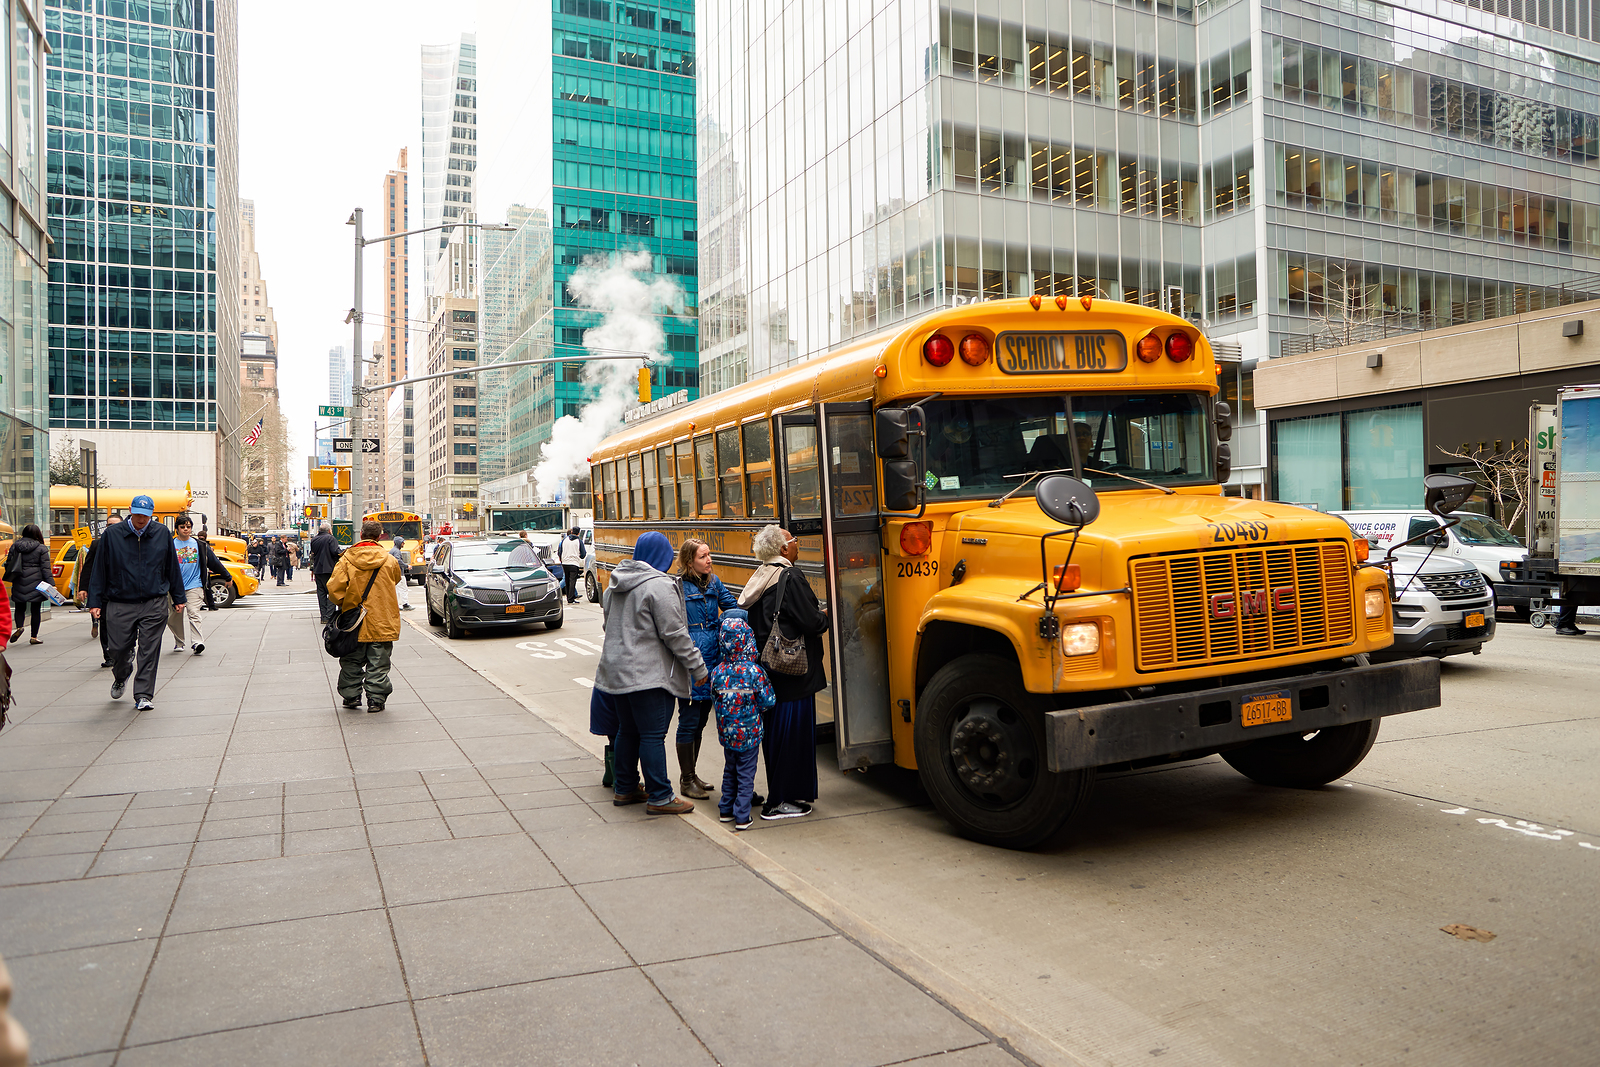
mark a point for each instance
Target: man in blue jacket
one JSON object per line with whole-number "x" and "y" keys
{"x": 136, "y": 583}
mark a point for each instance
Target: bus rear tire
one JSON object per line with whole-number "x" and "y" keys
{"x": 980, "y": 746}
{"x": 1305, "y": 761}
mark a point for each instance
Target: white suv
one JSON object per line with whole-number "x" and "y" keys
{"x": 1443, "y": 607}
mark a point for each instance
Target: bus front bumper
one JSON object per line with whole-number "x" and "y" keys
{"x": 1194, "y": 724}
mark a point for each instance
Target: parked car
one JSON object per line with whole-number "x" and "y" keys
{"x": 487, "y": 583}
{"x": 1475, "y": 541}
{"x": 1443, "y": 607}
{"x": 591, "y": 583}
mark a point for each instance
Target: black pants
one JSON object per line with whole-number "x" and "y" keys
{"x": 324, "y": 605}
{"x": 571, "y": 583}
{"x": 1566, "y": 618}
{"x": 22, "y": 607}
{"x": 136, "y": 625}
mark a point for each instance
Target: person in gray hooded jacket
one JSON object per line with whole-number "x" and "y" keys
{"x": 646, "y": 664}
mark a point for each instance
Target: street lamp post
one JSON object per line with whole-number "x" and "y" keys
{"x": 358, "y": 482}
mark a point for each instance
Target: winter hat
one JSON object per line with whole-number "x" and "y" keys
{"x": 654, "y": 548}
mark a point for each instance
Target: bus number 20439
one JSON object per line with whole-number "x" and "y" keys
{"x": 911, "y": 568}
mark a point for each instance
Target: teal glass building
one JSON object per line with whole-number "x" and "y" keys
{"x": 141, "y": 176}
{"x": 623, "y": 169}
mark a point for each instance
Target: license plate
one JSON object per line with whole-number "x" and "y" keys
{"x": 516, "y": 608}
{"x": 1264, "y": 709}
{"x": 1475, "y": 619}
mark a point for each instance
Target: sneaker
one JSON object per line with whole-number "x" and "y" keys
{"x": 742, "y": 825}
{"x": 724, "y": 816}
{"x": 1570, "y": 631}
{"x": 105, "y": 663}
{"x": 405, "y": 607}
{"x": 143, "y": 704}
{"x": 117, "y": 688}
{"x": 352, "y": 702}
{"x": 199, "y": 648}
{"x": 371, "y": 707}
{"x": 178, "y": 647}
{"x": 757, "y": 800}
{"x": 786, "y": 810}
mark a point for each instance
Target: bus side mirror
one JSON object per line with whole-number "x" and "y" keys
{"x": 1443, "y": 493}
{"x": 1067, "y": 500}
{"x": 894, "y": 429}
{"x": 1220, "y": 413}
{"x": 902, "y": 485}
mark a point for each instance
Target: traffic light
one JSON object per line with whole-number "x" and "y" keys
{"x": 329, "y": 479}
{"x": 644, "y": 385}
{"x": 467, "y": 508}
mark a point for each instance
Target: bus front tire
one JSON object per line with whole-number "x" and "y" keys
{"x": 980, "y": 747}
{"x": 1305, "y": 761}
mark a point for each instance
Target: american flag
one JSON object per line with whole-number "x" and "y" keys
{"x": 255, "y": 435}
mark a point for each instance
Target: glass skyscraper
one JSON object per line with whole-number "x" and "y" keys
{"x": 861, "y": 164}
{"x": 449, "y": 144}
{"x": 24, "y": 442}
{"x": 624, "y": 168}
{"x": 144, "y": 210}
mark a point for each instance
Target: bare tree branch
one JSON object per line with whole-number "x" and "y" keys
{"x": 1503, "y": 475}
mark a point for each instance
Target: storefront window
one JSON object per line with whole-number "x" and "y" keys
{"x": 1305, "y": 460}
{"x": 1383, "y": 457}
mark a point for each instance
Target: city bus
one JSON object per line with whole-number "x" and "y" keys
{"x": 1013, "y": 512}
{"x": 514, "y": 518}
{"x": 406, "y": 524}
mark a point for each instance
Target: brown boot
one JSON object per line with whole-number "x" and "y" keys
{"x": 699, "y": 781}
{"x": 676, "y": 807}
{"x": 688, "y": 784}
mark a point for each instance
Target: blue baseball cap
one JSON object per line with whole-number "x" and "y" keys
{"x": 142, "y": 505}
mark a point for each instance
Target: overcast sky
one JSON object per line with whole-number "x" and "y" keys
{"x": 324, "y": 108}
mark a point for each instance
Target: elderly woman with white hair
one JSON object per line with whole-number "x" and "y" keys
{"x": 779, "y": 595}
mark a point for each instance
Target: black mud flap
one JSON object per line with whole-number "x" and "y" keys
{"x": 1211, "y": 719}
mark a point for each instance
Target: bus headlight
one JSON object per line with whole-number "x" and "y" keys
{"x": 1080, "y": 638}
{"x": 1374, "y": 603}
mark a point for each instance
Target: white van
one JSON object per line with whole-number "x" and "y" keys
{"x": 1476, "y": 540}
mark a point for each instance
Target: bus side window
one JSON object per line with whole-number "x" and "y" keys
{"x": 758, "y": 468}
{"x": 614, "y": 505}
{"x": 652, "y": 498}
{"x": 683, "y": 452}
{"x": 635, "y": 487}
{"x": 728, "y": 463}
{"x": 597, "y": 478}
{"x": 705, "y": 467}
{"x": 669, "y": 494}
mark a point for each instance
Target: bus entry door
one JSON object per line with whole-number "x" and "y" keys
{"x": 828, "y": 487}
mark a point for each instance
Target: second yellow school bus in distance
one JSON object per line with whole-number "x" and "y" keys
{"x": 408, "y": 525}
{"x": 1000, "y": 627}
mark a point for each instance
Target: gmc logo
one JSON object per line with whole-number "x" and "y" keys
{"x": 1253, "y": 602}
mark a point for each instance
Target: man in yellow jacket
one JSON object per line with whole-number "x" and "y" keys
{"x": 367, "y": 668}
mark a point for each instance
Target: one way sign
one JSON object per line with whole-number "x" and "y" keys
{"x": 369, "y": 445}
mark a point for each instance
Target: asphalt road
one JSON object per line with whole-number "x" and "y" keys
{"x": 1198, "y": 918}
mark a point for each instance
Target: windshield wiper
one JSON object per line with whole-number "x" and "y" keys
{"x": 1026, "y": 476}
{"x": 1130, "y": 478}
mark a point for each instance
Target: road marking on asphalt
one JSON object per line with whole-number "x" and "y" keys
{"x": 588, "y": 683}
{"x": 1527, "y": 829}
{"x": 541, "y": 650}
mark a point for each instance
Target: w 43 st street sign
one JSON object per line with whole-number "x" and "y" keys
{"x": 369, "y": 445}
{"x": 335, "y": 410}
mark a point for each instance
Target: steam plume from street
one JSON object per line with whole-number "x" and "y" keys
{"x": 631, "y": 299}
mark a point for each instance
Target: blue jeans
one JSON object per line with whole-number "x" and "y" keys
{"x": 692, "y": 716}
{"x": 642, "y": 740}
{"x": 738, "y": 782}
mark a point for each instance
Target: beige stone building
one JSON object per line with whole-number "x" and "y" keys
{"x": 1359, "y": 425}
{"x": 451, "y": 440}
{"x": 264, "y": 466}
{"x": 255, "y": 308}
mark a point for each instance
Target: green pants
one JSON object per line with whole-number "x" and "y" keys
{"x": 367, "y": 666}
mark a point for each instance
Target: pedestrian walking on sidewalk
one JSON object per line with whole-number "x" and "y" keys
{"x": 280, "y": 559}
{"x": 743, "y": 694}
{"x": 705, "y": 598}
{"x": 779, "y": 595}
{"x": 196, "y": 562}
{"x": 401, "y": 593}
{"x": 365, "y": 566}
{"x": 28, "y": 564}
{"x": 570, "y": 555}
{"x": 135, "y": 584}
{"x": 80, "y": 578}
{"x": 646, "y": 663}
{"x": 325, "y": 553}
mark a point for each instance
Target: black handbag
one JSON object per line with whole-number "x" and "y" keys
{"x": 342, "y": 633}
{"x": 786, "y": 655}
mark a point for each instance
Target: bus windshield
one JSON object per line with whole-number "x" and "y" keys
{"x": 411, "y": 531}
{"x": 974, "y": 442}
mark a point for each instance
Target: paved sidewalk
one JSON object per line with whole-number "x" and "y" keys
{"x": 251, "y": 874}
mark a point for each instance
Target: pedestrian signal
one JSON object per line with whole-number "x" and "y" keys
{"x": 644, "y": 385}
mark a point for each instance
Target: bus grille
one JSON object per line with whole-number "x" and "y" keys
{"x": 1211, "y": 607}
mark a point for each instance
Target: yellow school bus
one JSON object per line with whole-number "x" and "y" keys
{"x": 408, "y": 525}
{"x": 69, "y": 509}
{"x": 1013, "y": 512}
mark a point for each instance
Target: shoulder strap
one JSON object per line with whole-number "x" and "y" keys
{"x": 374, "y": 578}
{"x": 783, "y": 574}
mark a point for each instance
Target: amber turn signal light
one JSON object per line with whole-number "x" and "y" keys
{"x": 1363, "y": 550}
{"x": 938, "y": 350}
{"x": 1036, "y": 301}
{"x": 1149, "y": 348}
{"x": 1068, "y": 578}
{"x": 880, "y": 371}
{"x": 974, "y": 350}
{"x": 1061, "y": 302}
{"x": 916, "y": 538}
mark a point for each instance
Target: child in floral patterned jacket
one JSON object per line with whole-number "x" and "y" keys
{"x": 740, "y": 689}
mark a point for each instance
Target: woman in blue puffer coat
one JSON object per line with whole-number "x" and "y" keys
{"x": 706, "y": 598}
